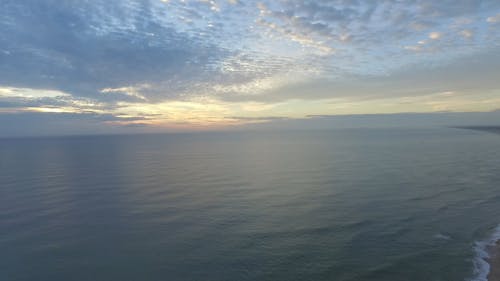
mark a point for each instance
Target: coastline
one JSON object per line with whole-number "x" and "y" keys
{"x": 487, "y": 258}
{"x": 494, "y": 261}
{"x": 489, "y": 129}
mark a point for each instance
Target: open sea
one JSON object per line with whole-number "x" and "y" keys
{"x": 350, "y": 204}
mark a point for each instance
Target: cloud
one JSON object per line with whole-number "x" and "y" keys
{"x": 28, "y": 99}
{"x": 12, "y": 92}
{"x": 494, "y": 19}
{"x": 256, "y": 119}
{"x": 398, "y": 120}
{"x": 130, "y": 91}
{"x": 83, "y": 47}
{"x": 180, "y": 48}
{"x": 43, "y": 124}
{"x": 200, "y": 62}
{"x": 474, "y": 74}
{"x": 435, "y": 35}
{"x": 466, "y": 33}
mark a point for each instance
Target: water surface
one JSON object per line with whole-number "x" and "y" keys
{"x": 359, "y": 204}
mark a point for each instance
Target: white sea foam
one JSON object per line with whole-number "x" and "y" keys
{"x": 481, "y": 249}
{"x": 442, "y": 236}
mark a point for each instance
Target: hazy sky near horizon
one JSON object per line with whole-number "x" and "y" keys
{"x": 198, "y": 64}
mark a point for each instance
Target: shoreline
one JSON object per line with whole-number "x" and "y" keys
{"x": 494, "y": 262}
{"x": 489, "y": 129}
{"x": 487, "y": 258}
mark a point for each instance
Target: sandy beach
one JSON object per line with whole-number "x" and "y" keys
{"x": 494, "y": 262}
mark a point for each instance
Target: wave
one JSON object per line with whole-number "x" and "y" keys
{"x": 482, "y": 250}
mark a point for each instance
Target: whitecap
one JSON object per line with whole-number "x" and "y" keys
{"x": 442, "y": 236}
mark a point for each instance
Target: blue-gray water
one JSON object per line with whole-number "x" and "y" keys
{"x": 364, "y": 204}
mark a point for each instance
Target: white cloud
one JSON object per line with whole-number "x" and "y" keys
{"x": 131, "y": 91}
{"x": 30, "y": 93}
{"x": 417, "y": 48}
{"x": 466, "y": 33}
{"x": 494, "y": 19}
{"x": 435, "y": 35}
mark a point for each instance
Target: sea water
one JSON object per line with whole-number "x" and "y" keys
{"x": 352, "y": 204}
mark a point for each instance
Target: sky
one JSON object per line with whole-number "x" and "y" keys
{"x": 100, "y": 66}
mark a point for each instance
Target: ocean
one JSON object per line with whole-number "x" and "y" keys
{"x": 347, "y": 204}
